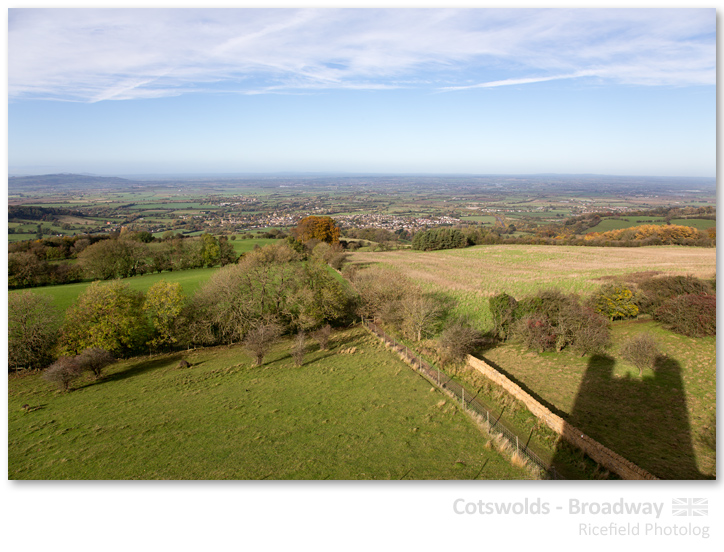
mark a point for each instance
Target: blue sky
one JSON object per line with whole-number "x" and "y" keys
{"x": 381, "y": 91}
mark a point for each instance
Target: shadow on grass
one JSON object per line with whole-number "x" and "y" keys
{"x": 645, "y": 420}
{"x": 525, "y": 388}
{"x": 137, "y": 369}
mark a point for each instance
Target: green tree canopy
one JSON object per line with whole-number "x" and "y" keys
{"x": 109, "y": 316}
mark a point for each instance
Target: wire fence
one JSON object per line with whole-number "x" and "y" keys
{"x": 468, "y": 400}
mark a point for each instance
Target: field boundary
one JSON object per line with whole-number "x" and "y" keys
{"x": 599, "y": 453}
{"x": 470, "y": 404}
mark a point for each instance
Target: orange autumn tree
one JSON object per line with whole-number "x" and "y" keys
{"x": 316, "y": 228}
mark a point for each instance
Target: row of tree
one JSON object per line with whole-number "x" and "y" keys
{"x": 391, "y": 298}
{"x": 115, "y": 257}
{"x": 272, "y": 290}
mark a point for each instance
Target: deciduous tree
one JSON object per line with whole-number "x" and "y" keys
{"x": 318, "y": 228}
{"x": 33, "y": 323}
{"x": 109, "y": 316}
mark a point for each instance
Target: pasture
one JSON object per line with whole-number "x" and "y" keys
{"x": 659, "y": 421}
{"x": 662, "y": 421}
{"x": 474, "y": 274}
{"x": 65, "y": 295}
{"x": 341, "y": 415}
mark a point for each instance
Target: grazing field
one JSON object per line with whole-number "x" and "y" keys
{"x": 659, "y": 421}
{"x": 64, "y": 295}
{"x": 244, "y": 246}
{"x": 473, "y": 274}
{"x": 662, "y": 421}
{"x": 618, "y": 223}
{"x": 341, "y": 415}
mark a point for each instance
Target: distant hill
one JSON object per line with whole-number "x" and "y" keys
{"x": 65, "y": 182}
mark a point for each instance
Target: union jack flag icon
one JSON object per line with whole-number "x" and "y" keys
{"x": 690, "y": 506}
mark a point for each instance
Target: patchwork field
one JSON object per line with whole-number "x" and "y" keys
{"x": 361, "y": 415}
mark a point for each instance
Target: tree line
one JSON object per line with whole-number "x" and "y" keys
{"x": 51, "y": 261}
{"x": 272, "y": 291}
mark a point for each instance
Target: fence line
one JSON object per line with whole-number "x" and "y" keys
{"x": 468, "y": 400}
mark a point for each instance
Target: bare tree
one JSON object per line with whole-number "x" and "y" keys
{"x": 298, "y": 349}
{"x": 260, "y": 338}
{"x": 419, "y": 314}
{"x": 641, "y": 351}
{"x": 94, "y": 360}
{"x": 458, "y": 340}
{"x": 63, "y": 372}
{"x": 322, "y": 336}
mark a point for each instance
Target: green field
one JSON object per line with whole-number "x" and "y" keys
{"x": 607, "y": 224}
{"x": 339, "y": 416}
{"x": 65, "y": 295}
{"x": 658, "y": 421}
{"x": 244, "y": 246}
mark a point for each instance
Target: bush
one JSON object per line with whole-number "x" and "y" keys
{"x": 94, "y": 360}
{"x": 690, "y": 315}
{"x": 63, "y": 372}
{"x": 459, "y": 340}
{"x": 298, "y": 349}
{"x": 259, "y": 340}
{"x": 502, "y": 310}
{"x": 536, "y": 332}
{"x": 656, "y": 291}
{"x": 615, "y": 302}
{"x": 641, "y": 351}
{"x": 322, "y": 336}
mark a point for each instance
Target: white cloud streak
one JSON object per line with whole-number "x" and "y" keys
{"x": 95, "y": 55}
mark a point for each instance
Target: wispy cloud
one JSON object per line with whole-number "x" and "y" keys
{"x": 95, "y": 55}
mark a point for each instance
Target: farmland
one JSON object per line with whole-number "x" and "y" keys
{"x": 474, "y": 274}
{"x": 261, "y": 422}
{"x": 360, "y": 415}
{"x": 661, "y": 420}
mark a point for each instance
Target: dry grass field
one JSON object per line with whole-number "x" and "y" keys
{"x": 472, "y": 275}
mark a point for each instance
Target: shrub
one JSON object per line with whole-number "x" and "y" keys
{"x": 322, "y": 336}
{"x": 641, "y": 351}
{"x": 298, "y": 349}
{"x": 94, "y": 360}
{"x": 656, "y": 291}
{"x": 259, "y": 339}
{"x": 502, "y": 310}
{"x": 536, "y": 333}
{"x": 458, "y": 340}
{"x": 690, "y": 315}
{"x": 615, "y": 302}
{"x": 63, "y": 372}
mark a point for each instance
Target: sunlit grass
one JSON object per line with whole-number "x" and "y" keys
{"x": 339, "y": 416}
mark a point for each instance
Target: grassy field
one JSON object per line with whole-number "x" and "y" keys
{"x": 616, "y": 224}
{"x": 659, "y": 421}
{"x": 473, "y": 274}
{"x": 361, "y": 415}
{"x": 190, "y": 280}
{"x": 244, "y": 246}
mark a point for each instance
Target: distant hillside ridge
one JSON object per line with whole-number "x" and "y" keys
{"x": 65, "y": 181}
